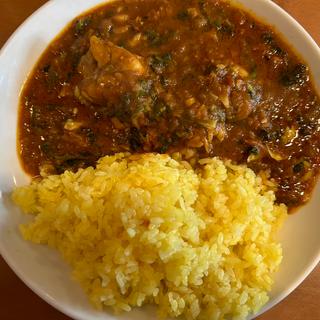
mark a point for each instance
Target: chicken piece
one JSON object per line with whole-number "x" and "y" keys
{"x": 106, "y": 53}
{"x": 242, "y": 105}
{"x": 108, "y": 71}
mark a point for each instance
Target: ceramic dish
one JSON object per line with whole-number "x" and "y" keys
{"x": 41, "y": 268}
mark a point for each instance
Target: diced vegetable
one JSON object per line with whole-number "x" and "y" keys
{"x": 240, "y": 70}
{"x": 71, "y": 125}
{"x": 120, "y": 17}
{"x": 197, "y": 77}
{"x": 190, "y": 101}
{"x": 135, "y": 40}
{"x": 275, "y": 155}
{"x": 289, "y": 135}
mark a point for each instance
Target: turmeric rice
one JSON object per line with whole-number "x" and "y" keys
{"x": 148, "y": 229}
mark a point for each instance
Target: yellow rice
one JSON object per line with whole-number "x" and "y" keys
{"x": 147, "y": 229}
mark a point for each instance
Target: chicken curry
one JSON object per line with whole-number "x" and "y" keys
{"x": 198, "y": 77}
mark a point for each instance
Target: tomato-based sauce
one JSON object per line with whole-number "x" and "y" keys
{"x": 202, "y": 78}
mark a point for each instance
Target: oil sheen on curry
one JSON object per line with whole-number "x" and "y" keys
{"x": 202, "y": 78}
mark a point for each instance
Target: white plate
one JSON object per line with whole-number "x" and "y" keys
{"x": 41, "y": 268}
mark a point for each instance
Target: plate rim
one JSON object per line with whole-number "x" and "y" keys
{"x": 41, "y": 292}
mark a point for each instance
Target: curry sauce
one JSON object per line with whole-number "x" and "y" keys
{"x": 202, "y": 78}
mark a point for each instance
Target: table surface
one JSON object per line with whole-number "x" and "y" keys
{"x": 17, "y": 301}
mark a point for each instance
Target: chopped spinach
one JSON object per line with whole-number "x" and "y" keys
{"x": 277, "y": 50}
{"x": 75, "y": 57}
{"x": 253, "y": 72}
{"x": 159, "y": 63}
{"x": 135, "y": 140}
{"x": 164, "y": 148}
{"x": 74, "y": 160}
{"x": 90, "y": 135}
{"x": 267, "y": 38}
{"x": 140, "y": 108}
{"x": 274, "y": 48}
{"x": 109, "y": 14}
{"x": 165, "y": 144}
{"x": 81, "y": 25}
{"x": 122, "y": 43}
{"x": 295, "y": 75}
{"x": 45, "y": 148}
{"x": 265, "y": 135}
{"x": 154, "y": 38}
{"x": 126, "y": 99}
{"x": 217, "y": 23}
{"x": 36, "y": 120}
{"x": 122, "y": 110}
{"x": 159, "y": 108}
{"x": 209, "y": 68}
{"x": 253, "y": 150}
{"x": 46, "y": 68}
{"x": 226, "y": 27}
{"x": 183, "y": 15}
{"x": 298, "y": 167}
{"x": 216, "y": 112}
{"x": 52, "y": 78}
{"x": 145, "y": 87}
{"x": 164, "y": 81}
{"x": 202, "y": 7}
{"x": 68, "y": 164}
{"x": 51, "y": 107}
